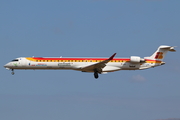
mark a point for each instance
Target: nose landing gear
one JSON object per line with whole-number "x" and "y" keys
{"x": 12, "y": 72}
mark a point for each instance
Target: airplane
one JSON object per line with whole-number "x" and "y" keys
{"x": 94, "y": 65}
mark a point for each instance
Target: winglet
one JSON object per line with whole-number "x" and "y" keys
{"x": 112, "y": 56}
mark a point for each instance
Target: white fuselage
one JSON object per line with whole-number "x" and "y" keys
{"x": 96, "y": 65}
{"x": 78, "y": 64}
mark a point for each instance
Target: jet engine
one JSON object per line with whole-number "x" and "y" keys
{"x": 136, "y": 59}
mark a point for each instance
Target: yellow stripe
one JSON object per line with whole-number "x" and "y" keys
{"x": 31, "y": 59}
{"x": 119, "y": 61}
{"x": 34, "y": 60}
{"x": 153, "y": 61}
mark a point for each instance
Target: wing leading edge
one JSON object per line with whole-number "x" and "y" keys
{"x": 98, "y": 66}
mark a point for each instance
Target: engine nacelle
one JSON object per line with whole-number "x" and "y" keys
{"x": 136, "y": 59}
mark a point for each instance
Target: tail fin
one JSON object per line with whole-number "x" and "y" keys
{"x": 161, "y": 52}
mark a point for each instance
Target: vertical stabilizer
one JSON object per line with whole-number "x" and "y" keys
{"x": 161, "y": 52}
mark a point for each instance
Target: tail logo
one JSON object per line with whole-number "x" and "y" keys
{"x": 159, "y": 55}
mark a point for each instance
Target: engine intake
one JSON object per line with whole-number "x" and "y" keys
{"x": 136, "y": 59}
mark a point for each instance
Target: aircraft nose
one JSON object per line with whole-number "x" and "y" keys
{"x": 7, "y": 65}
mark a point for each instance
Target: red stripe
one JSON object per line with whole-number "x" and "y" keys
{"x": 125, "y": 59}
{"x": 153, "y": 60}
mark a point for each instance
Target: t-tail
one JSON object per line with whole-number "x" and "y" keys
{"x": 161, "y": 52}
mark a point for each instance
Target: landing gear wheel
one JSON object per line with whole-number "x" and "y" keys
{"x": 12, "y": 72}
{"x": 96, "y": 75}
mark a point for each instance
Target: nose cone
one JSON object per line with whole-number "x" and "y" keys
{"x": 7, "y": 66}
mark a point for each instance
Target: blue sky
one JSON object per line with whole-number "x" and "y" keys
{"x": 89, "y": 28}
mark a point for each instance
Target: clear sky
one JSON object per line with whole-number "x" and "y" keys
{"x": 89, "y": 28}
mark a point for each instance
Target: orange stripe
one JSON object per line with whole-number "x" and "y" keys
{"x": 153, "y": 61}
{"x": 76, "y": 59}
{"x": 38, "y": 59}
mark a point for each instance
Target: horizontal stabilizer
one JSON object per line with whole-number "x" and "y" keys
{"x": 172, "y": 49}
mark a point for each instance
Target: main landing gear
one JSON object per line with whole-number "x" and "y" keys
{"x": 96, "y": 75}
{"x": 12, "y": 72}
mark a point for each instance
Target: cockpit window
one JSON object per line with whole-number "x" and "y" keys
{"x": 15, "y": 60}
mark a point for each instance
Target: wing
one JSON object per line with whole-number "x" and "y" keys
{"x": 98, "y": 66}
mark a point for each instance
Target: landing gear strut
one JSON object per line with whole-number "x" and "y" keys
{"x": 12, "y": 72}
{"x": 96, "y": 75}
